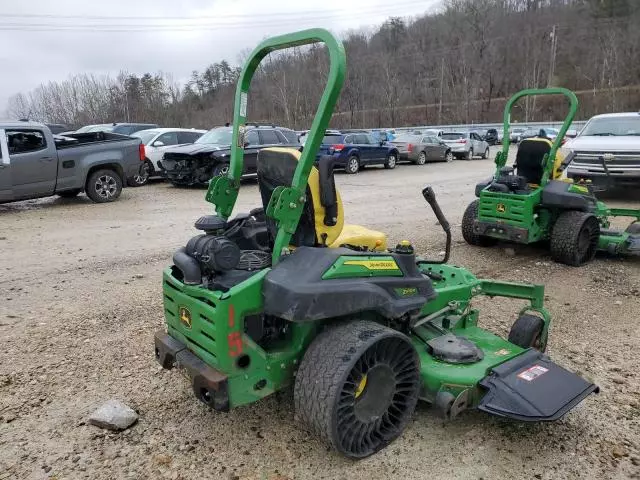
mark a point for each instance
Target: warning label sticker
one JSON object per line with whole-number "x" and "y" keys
{"x": 243, "y": 104}
{"x": 532, "y": 373}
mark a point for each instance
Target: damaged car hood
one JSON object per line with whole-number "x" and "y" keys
{"x": 196, "y": 148}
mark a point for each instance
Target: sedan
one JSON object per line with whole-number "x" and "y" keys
{"x": 422, "y": 149}
{"x": 466, "y": 144}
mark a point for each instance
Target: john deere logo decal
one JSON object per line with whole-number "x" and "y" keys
{"x": 501, "y": 208}
{"x": 185, "y": 317}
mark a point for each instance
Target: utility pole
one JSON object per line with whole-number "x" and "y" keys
{"x": 554, "y": 49}
{"x": 441, "y": 86}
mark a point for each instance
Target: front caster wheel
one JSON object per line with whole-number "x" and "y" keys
{"x": 358, "y": 386}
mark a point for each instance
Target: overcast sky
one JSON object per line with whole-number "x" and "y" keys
{"x": 43, "y": 40}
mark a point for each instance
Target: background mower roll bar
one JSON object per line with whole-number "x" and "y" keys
{"x": 286, "y": 203}
{"x": 501, "y": 157}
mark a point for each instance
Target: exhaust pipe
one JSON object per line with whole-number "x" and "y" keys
{"x": 191, "y": 274}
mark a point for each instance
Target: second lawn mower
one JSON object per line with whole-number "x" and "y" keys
{"x": 529, "y": 202}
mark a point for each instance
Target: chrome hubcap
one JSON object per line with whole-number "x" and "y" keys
{"x": 353, "y": 164}
{"x": 391, "y": 161}
{"x": 142, "y": 175}
{"x": 106, "y": 186}
{"x": 422, "y": 158}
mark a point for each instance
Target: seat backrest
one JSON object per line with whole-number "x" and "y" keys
{"x": 531, "y": 152}
{"x": 322, "y": 216}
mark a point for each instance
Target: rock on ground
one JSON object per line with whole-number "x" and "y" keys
{"x": 113, "y": 415}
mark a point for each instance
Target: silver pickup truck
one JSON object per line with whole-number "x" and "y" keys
{"x": 34, "y": 163}
{"x": 607, "y": 150}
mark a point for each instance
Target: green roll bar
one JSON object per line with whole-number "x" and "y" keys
{"x": 286, "y": 203}
{"x": 501, "y": 157}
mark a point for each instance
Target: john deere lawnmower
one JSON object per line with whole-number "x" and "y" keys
{"x": 290, "y": 295}
{"x": 530, "y": 202}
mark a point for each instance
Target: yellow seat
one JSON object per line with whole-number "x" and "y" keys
{"x": 317, "y": 227}
{"x": 358, "y": 236}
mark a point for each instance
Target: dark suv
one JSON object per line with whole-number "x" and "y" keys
{"x": 354, "y": 150}
{"x": 209, "y": 156}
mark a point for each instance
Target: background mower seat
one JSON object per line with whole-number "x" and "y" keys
{"x": 322, "y": 220}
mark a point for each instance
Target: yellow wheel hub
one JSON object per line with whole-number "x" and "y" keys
{"x": 361, "y": 386}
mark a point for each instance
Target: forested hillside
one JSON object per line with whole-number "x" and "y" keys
{"x": 453, "y": 66}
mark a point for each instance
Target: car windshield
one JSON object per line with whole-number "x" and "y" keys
{"x": 86, "y": 128}
{"x": 145, "y": 135}
{"x": 452, "y": 136}
{"x": 613, "y": 126}
{"x": 518, "y": 130}
{"x": 331, "y": 139}
{"x": 219, "y": 136}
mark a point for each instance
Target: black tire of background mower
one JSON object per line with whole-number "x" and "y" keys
{"x": 326, "y": 366}
{"x": 346, "y": 168}
{"x": 564, "y": 238}
{"x": 90, "y": 186}
{"x": 633, "y": 229}
{"x": 469, "y": 235}
{"x": 69, "y": 193}
{"x": 525, "y": 330}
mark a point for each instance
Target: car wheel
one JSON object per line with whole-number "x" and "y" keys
{"x": 422, "y": 159}
{"x": 104, "y": 186}
{"x": 390, "y": 163}
{"x": 485, "y": 155}
{"x": 353, "y": 165}
{"x": 220, "y": 169}
{"x": 142, "y": 177}
{"x": 448, "y": 157}
{"x": 470, "y": 154}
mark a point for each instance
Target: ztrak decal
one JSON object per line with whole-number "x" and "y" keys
{"x": 406, "y": 291}
{"x": 532, "y": 373}
{"x": 374, "y": 264}
{"x": 185, "y": 316}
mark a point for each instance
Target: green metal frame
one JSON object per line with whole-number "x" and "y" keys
{"x": 286, "y": 203}
{"x": 501, "y": 157}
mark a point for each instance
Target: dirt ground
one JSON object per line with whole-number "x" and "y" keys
{"x": 80, "y": 299}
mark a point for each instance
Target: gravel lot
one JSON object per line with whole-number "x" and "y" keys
{"x": 81, "y": 299}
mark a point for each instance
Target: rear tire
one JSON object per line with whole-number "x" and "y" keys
{"x": 104, "y": 186}
{"x": 357, "y": 386}
{"x": 422, "y": 159}
{"x": 448, "y": 157}
{"x": 353, "y": 165}
{"x": 468, "y": 232}
{"x": 391, "y": 161}
{"x": 69, "y": 193}
{"x": 485, "y": 155}
{"x": 470, "y": 154}
{"x": 574, "y": 238}
{"x": 526, "y": 332}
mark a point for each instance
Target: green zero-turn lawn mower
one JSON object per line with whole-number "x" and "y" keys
{"x": 529, "y": 202}
{"x": 289, "y": 295}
